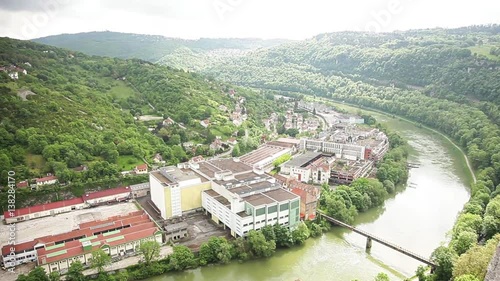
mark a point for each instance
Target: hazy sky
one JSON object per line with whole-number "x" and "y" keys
{"x": 292, "y": 19}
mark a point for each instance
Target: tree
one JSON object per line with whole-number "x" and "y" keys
{"x": 121, "y": 275}
{"x": 100, "y": 260}
{"x": 182, "y": 258}
{"x": 283, "y": 236}
{"x": 258, "y": 244}
{"x": 464, "y": 241}
{"x": 467, "y": 277}
{"x": 236, "y": 150}
{"x": 54, "y": 276}
{"x": 268, "y": 232}
{"x": 215, "y": 250}
{"x": 292, "y": 132}
{"x": 444, "y": 258}
{"x": 75, "y": 272}
{"x": 301, "y": 233}
{"x": 420, "y": 273}
{"x": 150, "y": 251}
{"x": 475, "y": 261}
{"x": 37, "y": 274}
{"x": 382, "y": 277}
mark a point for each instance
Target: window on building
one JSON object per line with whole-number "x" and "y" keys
{"x": 272, "y": 209}
{"x": 295, "y": 204}
{"x": 260, "y": 211}
{"x": 283, "y": 207}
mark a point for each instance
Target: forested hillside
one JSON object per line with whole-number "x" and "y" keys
{"x": 460, "y": 65}
{"x": 73, "y": 109}
{"x": 178, "y": 53}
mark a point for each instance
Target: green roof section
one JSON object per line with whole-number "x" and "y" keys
{"x": 97, "y": 243}
{"x": 88, "y": 238}
{"x": 115, "y": 238}
{"x": 54, "y": 247}
{"x": 58, "y": 253}
{"x": 111, "y": 233}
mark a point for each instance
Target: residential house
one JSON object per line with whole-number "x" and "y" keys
{"x": 205, "y": 123}
{"x": 222, "y": 107}
{"x": 308, "y": 204}
{"x": 158, "y": 158}
{"x": 216, "y": 144}
{"x": 81, "y": 168}
{"x": 22, "y": 184}
{"x": 168, "y": 122}
{"x": 48, "y": 180}
{"x": 141, "y": 169}
{"x": 232, "y": 141}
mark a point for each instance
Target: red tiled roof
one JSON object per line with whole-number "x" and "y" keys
{"x": 135, "y": 220}
{"x": 304, "y": 195}
{"x": 105, "y": 193}
{"x": 19, "y": 247}
{"x": 74, "y": 248}
{"x": 44, "y": 207}
{"x": 142, "y": 167}
{"x": 49, "y": 178}
{"x": 22, "y": 184}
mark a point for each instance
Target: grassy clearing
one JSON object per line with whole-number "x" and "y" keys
{"x": 128, "y": 162}
{"x": 121, "y": 91}
{"x": 35, "y": 162}
{"x": 484, "y": 51}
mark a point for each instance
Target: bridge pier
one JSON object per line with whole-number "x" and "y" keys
{"x": 368, "y": 243}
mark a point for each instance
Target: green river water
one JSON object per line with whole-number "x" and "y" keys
{"x": 417, "y": 218}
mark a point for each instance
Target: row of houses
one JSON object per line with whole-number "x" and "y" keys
{"x": 117, "y": 236}
{"x": 88, "y": 200}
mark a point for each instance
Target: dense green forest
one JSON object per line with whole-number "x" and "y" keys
{"x": 84, "y": 110}
{"x": 175, "y": 52}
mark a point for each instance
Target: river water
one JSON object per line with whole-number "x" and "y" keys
{"x": 417, "y": 218}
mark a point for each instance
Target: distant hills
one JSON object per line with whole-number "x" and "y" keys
{"x": 180, "y": 53}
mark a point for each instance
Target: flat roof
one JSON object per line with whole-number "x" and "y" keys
{"x": 281, "y": 194}
{"x": 303, "y": 159}
{"x": 215, "y": 195}
{"x": 231, "y": 165}
{"x": 176, "y": 226}
{"x": 174, "y": 175}
{"x": 261, "y": 153}
{"x": 259, "y": 199}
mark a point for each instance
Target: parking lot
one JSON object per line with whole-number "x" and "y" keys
{"x": 200, "y": 226}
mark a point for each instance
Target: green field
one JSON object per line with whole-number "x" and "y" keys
{"x": 36, "y": 163}
{"x": 128, "y": 162}
{"x": 484, "y": 51}
{"x": 121, "y": 91}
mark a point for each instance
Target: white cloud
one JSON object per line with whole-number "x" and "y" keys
{"x": 238, "y": 18}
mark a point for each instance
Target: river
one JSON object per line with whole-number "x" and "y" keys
{"x": 417, "y": 218}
